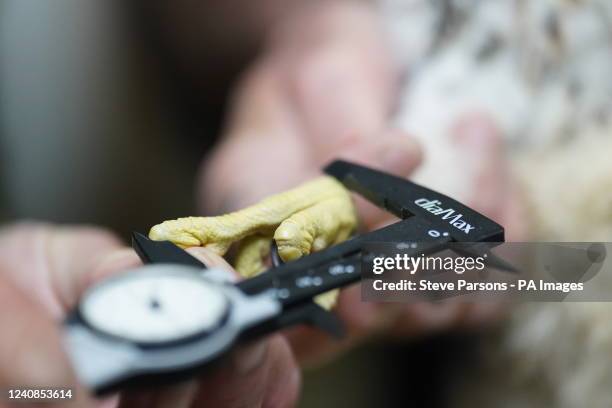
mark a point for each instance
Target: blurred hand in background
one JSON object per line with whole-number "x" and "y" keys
{"x": 323, "y": 89}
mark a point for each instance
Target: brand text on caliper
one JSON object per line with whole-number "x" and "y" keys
{"x": 455, "y": 219}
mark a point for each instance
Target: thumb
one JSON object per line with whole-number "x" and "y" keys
{"x": 31, "y": 353}
{"x": 49, "y": 263}
{"x": 342, "y": 76}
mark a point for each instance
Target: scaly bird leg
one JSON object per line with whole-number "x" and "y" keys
{"x": 308, "y": 218}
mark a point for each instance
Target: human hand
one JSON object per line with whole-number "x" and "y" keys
{"x": 325, "y": 89}
{"x": 43, "y": 272}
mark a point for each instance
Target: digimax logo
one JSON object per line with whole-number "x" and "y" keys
{"x": 455, "y": 219}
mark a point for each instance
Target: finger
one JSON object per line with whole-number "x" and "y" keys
{"x": 211, "y": 259}
{"x": 284, "y": 376}
{"x": 281, "y": 106}
{"x": 122, "y": 261}
{"x": 258, "y": 374}
{"x": 49, "y": 263}
{"x": 359, "y": 101}
{"x": 117, "y": 261}
{"x": 260, "y": 371}
{"x": 31, "y": 350}
{"x": 342, "y": 48}
{"x": 72, "y": 251}
{"x": 432, "y": 317}
{"x": 125, "y": 259}
{"x": 180, "y": 395}
{"x": 177, "y": 396}
{"x": 50, "y": 276}
{"x": 361, "y": 320}
{"x": 261, "y": 124}
{"x": 478, "y": 138}
{"x": 393, "y": 152}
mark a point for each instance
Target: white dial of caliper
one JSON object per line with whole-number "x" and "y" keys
{"x": 155, "y": 306}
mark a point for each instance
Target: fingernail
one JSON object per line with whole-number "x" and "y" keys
{"x": 248, "y": 357}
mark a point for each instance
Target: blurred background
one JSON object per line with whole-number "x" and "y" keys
{"x": 98, "y": 126}
{"x": 108, "y": 108}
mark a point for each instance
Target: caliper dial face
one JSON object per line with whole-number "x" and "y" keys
{"x": 163, "y": 304}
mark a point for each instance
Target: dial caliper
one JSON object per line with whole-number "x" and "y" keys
{"x": 173, "y": 317}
